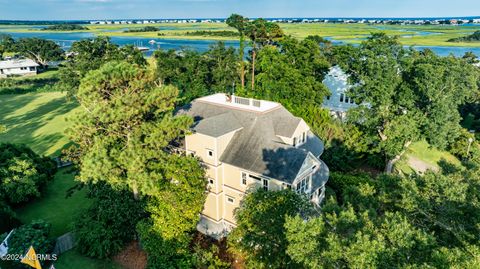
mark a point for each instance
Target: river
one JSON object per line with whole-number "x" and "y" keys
{"x": 66, "y": 39}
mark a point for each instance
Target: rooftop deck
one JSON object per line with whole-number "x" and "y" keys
{"x": 240, "y": 102}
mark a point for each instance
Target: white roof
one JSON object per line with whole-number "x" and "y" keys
{"x": 17, "y": 63}
{"x": 240, "y": 102}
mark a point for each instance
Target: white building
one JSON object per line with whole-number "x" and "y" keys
{"x": 338, "y": 102}
{"x": 19, "y": 67}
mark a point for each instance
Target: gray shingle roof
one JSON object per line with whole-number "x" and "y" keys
{"x": 321, "y": 176}
{"x": 256, "y": 146}
{"x": 218, "y": 125}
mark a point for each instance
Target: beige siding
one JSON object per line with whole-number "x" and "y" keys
{"x": 301, "y": 128}
{"x": 210, "y": 208}
{"x": 232, "y": 177}
{"x": 200, "y": 144}
{"x": 227, "y": 179}
{"x": 228, "y": 214}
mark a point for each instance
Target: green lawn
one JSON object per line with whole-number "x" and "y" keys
{"x": 37, "y": 120}
{"x": 72, "y": 260}
{"x": 42, "y": 82}
{"x": 425, "y": 153}
{"x": 54, "y": 207}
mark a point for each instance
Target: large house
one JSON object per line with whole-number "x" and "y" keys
{"x": 18, "y": 67}
{"x": 247, "y": 143}
{"x": 338, "y": 102}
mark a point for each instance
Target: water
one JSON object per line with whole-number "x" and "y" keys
{"x": 66, "y": 39}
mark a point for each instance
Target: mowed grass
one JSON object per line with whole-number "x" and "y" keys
{"x": 72, "y": 260}
{"x": 423, "y": 151}
{"x": 54, "y": 206}
{"x": 37, "y": 120}
{"x": 44, "y": 81}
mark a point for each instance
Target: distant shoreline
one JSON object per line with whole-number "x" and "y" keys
{"x": 87, "y": 21}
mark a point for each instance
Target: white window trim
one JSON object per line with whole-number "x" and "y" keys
{"x": 241, "y": 178}
{"x": 228, "y": 199}
{"x": 268, "y": 184}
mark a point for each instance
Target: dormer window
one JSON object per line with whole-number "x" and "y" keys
{"x": 300, "y": 140}
{"x": 210, "y": 153}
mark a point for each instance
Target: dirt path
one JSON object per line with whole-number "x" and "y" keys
{"x": 420, "y": 166}
{"x": 132, "y": 257}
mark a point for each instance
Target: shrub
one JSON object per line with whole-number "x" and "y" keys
{"x": 35, "y": 234}
{"x": 8, "y": 217}
{"x": 109, "y": 224}
{"x": 23, "y": 173}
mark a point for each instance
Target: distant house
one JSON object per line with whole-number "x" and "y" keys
{"x": 18, "y": 67}
{"x": 246, "y": 143}
{"x": 338, "y": 102}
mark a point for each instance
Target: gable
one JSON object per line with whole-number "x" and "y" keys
{"x": 306, "y": 168}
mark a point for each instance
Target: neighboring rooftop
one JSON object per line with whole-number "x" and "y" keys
{"x": 16, "y": 63}
{"x": 336, "y": 82}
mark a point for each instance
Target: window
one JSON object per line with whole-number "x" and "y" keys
{"x": 244, "y": 179}
{"x": 210, "y": 153}
{"x": 230, "y": 200}
{"x": 265, "y": 184}
{"x": 347, "y": 99}
{"x": 211, "y": 181}
{"x": 342, "y": 96}
{"x": 303, "y": 185}
{"x": 304, "y": 137}
{"x": 328, "y": 97}
{"x": 294, "y": 141}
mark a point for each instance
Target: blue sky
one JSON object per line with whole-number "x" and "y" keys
{"x": 113, "y": 9}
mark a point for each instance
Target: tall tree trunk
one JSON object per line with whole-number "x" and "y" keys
{"x": 136, "y": 195}
{"x": 391, "y": 163}
{"x": 254, "y": 54}
{"x": 242, "y": 62}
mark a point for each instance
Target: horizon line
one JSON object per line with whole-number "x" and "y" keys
{"x": 223, "y": 18}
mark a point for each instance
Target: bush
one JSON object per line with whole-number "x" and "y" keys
{"x": 23, "y": 173}
{"x": 35, "y": 234}
{"x": 8, "y": 217}
{"x": 208, "y": 258}
{"x": 27, "y": 85}
{"x": 164, "y": 252}
{"x": 109, "y": 224}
